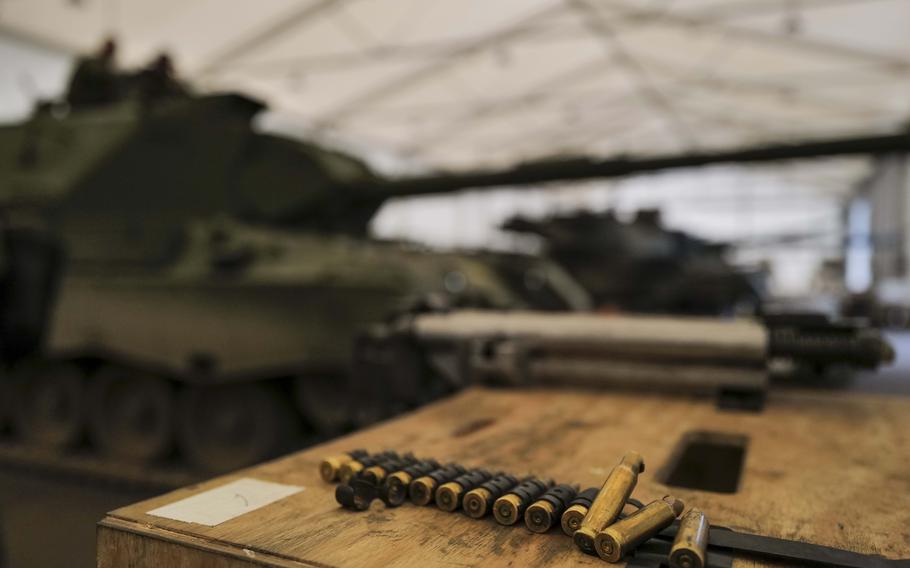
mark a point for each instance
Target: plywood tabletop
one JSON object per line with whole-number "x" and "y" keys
{"x": 828, "y": 468}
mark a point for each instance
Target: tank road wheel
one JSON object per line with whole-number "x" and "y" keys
{"x": 325, "y": 401}
{"x": 49, "y": 404}
{"x": 132, "y": 415}
{"x": 6, "y": 406}
{"x": 226, "y": 427}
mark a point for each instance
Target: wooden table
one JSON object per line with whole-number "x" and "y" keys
{"x": 828, "y": 468}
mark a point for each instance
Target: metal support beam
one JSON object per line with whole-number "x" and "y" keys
{"x": 732, "y": 10}
{"x": 456, "y": 126}
{"x": 446, "y": 60}
{"x": 647, "y": 90}
{"x": 418, "y": 51}
{"x": 716, "y": 22}
{"x": 272, "y": 31}
{"x": 431, "y": 50}
{"x": 714, "y": 83}
{"x": 612, "y": 120}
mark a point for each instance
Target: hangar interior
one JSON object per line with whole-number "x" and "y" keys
{"x": 706, "y": 145}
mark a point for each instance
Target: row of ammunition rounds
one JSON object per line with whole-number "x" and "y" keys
{"x": 510, "y": 508}
{"x": 450, "y": 494}
{"x": 363, "y": 475}
{"x": 355, "y": 466}
{"x": 397, "y": 484}
{"x": 592, "y": 517}
{"x": 423, "y": 489}
{"x": 330, "y": 468}
{"x": 550, "y": 507}
{"x": 479, "y": 501}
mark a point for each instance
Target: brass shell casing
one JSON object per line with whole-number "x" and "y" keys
{"x": 396, "y": 486}
{"x": 399, "y": 478}
{"x": 618, "y": 539}
{"x": 609, "y": 501}
{"x": 374, "y": 474}
{"x": 349, "y": 470}
{"x": 507, "y": 509}
{"x": 476, "y": 503}
{"x": 448, "y": 496}
{"x": 690, "y": 547}
{"x": 422, "y": 490}
{"x": 540, "y": 516}
{"x": 572, "y": 517}
{"x": 330, "y": 467}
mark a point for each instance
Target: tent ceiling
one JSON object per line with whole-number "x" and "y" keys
{"x": 455, "y": 83}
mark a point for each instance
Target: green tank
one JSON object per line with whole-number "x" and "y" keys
{"x": 175, "y": 283}
{"x": 640, "y": 266}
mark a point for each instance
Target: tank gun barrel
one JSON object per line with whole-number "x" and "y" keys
{"x": 728, "y": 358}
{"x": 583, "y": 168}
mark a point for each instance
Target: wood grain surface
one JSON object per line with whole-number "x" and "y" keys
{"x": 827, "y": 468}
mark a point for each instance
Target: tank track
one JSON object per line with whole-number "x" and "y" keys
{"x": 114, "y": 423}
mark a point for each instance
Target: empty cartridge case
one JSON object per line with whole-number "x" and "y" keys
{"x": 450, "y": 494}
{"x": 621, "y": 537}
{"x": 355, "y": 466}
{"x": 423, "y": 489}
{"x": 690, "y": 547}
{"x": 578, "y": 508}
{"x": 395, "y": 489}
{"x": 548, "y": 509}
{"x": 478, "y": 501}
{"x": 509, "y": 509}
{"x": 330, "y": 467}
{"x": 609, "y": 501}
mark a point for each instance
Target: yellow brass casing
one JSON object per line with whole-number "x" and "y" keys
{"x": 375, "y": 473}
{"x": 330, "y": 467}
{"x": 349, "y": 470}
{"x": 572, "y": 517}
{"x": 476, "y": 502}
{"x": 540, "y": 516}
{"x": 399, "y": 478}
{"x": 397, "y": 487}
{"x": 610, "y": 500}
{"x": 690, "y": 547}
{"x": 448, "y": 496}
{"x": 618, "y": 539}
{"x": 507, "y": 509}
{"x": 422, "y": 490}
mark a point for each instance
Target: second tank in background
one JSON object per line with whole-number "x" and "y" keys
{"x": 640, "y": 266}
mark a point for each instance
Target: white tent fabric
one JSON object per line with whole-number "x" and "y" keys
{"x": 465, "y": 83}
{"x": 469, "y": 82}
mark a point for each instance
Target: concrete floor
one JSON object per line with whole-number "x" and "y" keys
{"x": 49, "y": 520}
{"x": 894, "y": 379}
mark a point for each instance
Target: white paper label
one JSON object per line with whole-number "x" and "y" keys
{"x": 224, "y": 503}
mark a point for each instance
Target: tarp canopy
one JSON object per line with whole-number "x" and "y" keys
{"x": 468, "y": 83}
{"x": 474, "y": 82}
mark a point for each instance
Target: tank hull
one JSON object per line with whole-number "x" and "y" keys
{"x": 213, "y": 331}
